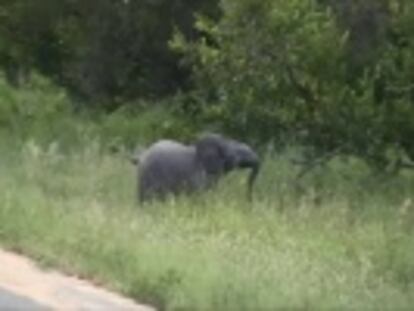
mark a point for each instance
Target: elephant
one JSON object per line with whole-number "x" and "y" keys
{"x": 171, "y": 168}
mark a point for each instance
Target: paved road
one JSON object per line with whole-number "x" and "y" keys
{"x": 10, "y": 301}
{"x": 24, "y": 286}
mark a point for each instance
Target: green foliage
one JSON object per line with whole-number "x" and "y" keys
{"x": 263, "y": 54}
{"x": 42, "y": 112}
{"x": 335, "y": 76}
{"x": 277, "y": 71}
{"x": 128, "y": 126}
{"x": 34, "y": 111}
{"x": 28, "y": 38}
{"x": 104, "y": 51}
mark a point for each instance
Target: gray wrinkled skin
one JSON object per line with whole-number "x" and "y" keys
{"x": 170, "y": 168}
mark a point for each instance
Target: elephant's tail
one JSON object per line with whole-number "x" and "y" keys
{"x": 134, "y": 159}
{"x": 137, "y": 157}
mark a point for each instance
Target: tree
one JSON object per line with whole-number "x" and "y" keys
{"x": 103, "y": 50}
{"x": 332, "y": 76}
{"x": 27, "y": 38}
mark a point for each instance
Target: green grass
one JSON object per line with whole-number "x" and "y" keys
{"x": 343, "y": 240}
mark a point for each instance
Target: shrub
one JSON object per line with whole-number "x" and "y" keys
{"x": 275, "y": 71}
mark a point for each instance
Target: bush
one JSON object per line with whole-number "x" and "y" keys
{"x": 43, "y": 112}
{"x": 39, "y": 109}
{"x": 276, "y": 71}
{"x": 128, "y": 126}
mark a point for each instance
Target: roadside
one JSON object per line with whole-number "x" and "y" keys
{"x": 23, "y": 285}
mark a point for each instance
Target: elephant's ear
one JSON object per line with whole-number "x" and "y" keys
{"x": 211, "y": 153}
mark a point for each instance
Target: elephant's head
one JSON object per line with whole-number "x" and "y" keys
{"x": 219, "y": 155}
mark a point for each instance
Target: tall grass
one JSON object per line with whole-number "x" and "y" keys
{"x": 342, "y": 240}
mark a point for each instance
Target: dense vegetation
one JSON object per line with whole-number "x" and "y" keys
{"x": 335, "y": 76}
{"x": 340, "y": 237}
{"x": 328, "y": 82}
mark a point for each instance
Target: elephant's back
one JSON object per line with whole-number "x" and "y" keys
{"x": 168, "y": 159}
{"x": 165, "y": 151}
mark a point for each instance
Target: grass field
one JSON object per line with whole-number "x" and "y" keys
{"x": 343, "y": 240}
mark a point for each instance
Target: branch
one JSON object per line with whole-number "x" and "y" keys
{"x": 309, "y": 165}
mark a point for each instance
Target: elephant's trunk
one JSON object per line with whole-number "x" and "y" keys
{"x": 252, "y": 178}
{"x": 249, "y": 160}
